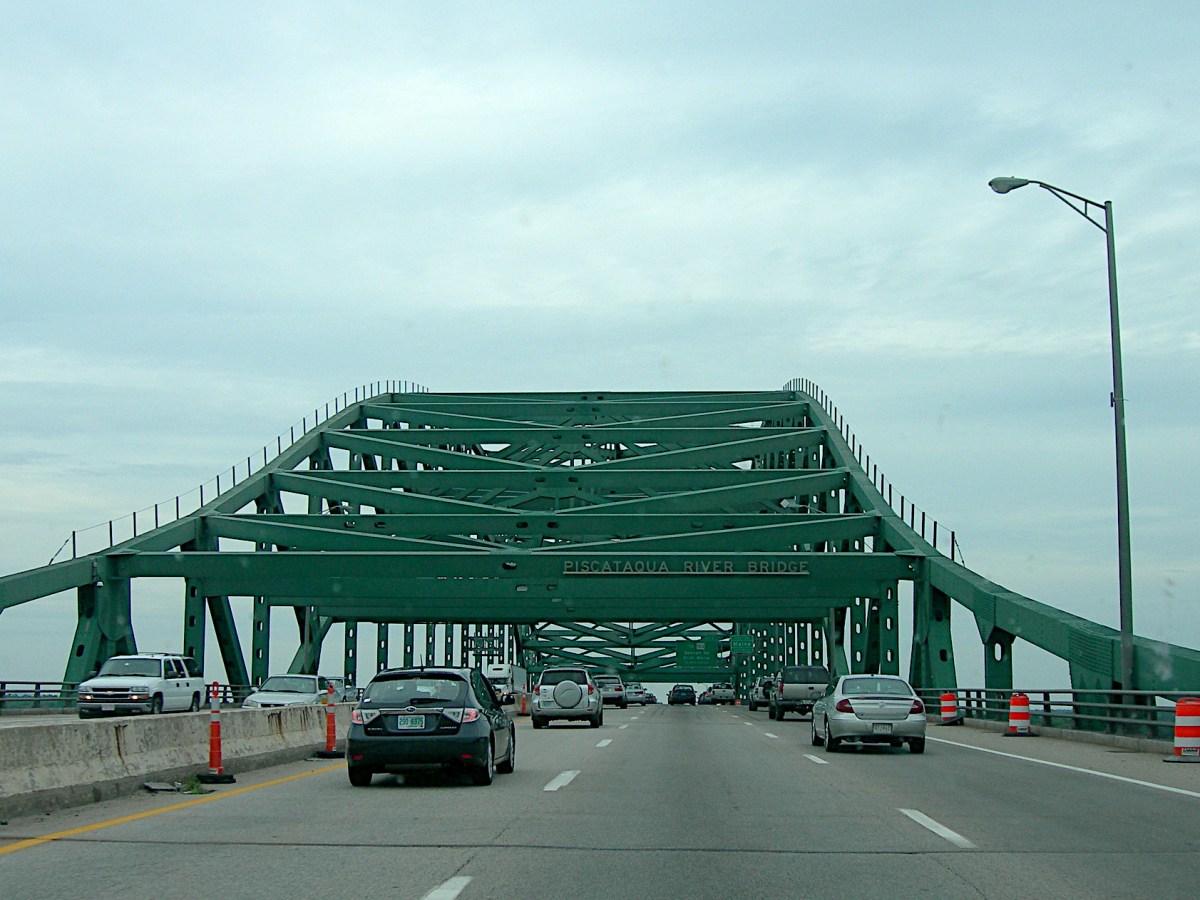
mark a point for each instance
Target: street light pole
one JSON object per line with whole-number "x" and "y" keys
{"x": 1124, "y": 567}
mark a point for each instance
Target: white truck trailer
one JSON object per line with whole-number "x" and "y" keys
{"x": 509, "y": 681}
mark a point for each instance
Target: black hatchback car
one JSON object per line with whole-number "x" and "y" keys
{"x": 419, "y": 718}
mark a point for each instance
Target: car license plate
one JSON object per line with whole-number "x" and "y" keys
{"x": 881, "y": 728}
{"x": 107, "y": 707}
{"x": 410, "y": 723}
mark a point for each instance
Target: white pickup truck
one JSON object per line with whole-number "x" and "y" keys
{"x": 722, "y": 693}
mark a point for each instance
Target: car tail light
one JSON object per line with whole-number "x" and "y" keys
{"x": 461, "y": 715}
{"x": 844, "y": 706}
{"x": 918, "y": 708}
{"x": 591, "y": 688}
{"x": 619, "y": 689}
{"x": 363, "y": 716}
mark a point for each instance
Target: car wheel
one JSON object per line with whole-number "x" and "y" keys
{"x": 771, "y": 712}
{"x": 779, "y": 714}
{"x": 596, "y": 721}
{"x": 195, "y": 707}
{"x": 538, "y": 721}
{"x": 917, "y": 745}
{"x": 506, "y": 767}
{"x": 156, "y": 705}
{"x": 817, "y": 740}
{"x": 483, "y": 775}
{"x": 753, "y": 706}
{"x": 359, "y": 776}
{"x": 832, "y": 744}
{"x": 624, "y": 706}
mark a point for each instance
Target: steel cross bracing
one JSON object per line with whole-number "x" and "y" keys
{"x": 645, "y": 533}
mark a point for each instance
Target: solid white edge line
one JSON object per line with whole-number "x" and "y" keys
{"x": 939, "y": 829}
{"x": 816, "y": 759}
{"x": 1056, "y": 765}
{"x": 449, "y": 889}
{"x": 605, "y": 742}
{"x": 561, "y": 780}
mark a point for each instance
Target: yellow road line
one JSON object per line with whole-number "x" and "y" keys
{"x": 72, "y": 832}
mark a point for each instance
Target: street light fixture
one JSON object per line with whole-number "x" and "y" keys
{"x": 1003, "y": 186}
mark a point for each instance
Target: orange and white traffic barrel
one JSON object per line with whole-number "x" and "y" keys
{"x": 331, "y": 751}
{"x": 216, "y": 769}
{"x": 950, "y": 714}
{"x": 1187, "y": 729}
{"x": 1018, "y": 716}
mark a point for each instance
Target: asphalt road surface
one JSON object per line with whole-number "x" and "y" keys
{"x": 662, "y": 802}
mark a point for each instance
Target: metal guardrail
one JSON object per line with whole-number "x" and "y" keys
{"x": 23, "y": 696}
{"x": 1150, "y": 714}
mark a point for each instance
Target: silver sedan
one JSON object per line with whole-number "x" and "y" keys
{"x": 869, "y": 709}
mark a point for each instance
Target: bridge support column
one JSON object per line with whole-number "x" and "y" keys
{"x": 888, "y": 630}
{"x": 350, "y": 653}
{"x": 313, "y": 628}
{"x": 864, "y": 635}
{"x": 104, "y": 627}
{"x": 931, "y": 664}
{"x": 834, "y": 629}
{"x": 409, "y": 639}
{"x": 260, "y": 642}
{"x": 997, "y": 665}
{"x": 194, "y": 631}
{"x": 381, "y": 646}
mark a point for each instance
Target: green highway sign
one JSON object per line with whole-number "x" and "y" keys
{"x": 741, "y": 643}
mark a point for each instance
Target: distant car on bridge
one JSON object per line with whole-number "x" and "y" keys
{"x": 289, "y": 690}
{"x": 682, "y": 695}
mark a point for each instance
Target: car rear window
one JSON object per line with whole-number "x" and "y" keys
{"x": 889, "y": 687}
{"x": 805, "y": 675}
{"x": 418, "y": 690}
{"x": 552, "y": 678}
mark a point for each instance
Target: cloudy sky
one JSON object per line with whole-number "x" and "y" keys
{"x": 216, "y": 217}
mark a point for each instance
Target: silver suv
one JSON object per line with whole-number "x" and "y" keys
{"x": 760, "y": 694}
{"x": 567, "y": 692}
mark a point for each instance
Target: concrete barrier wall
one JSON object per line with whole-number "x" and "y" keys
{"x": 44, "y": 767}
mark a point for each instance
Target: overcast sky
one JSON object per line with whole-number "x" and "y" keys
{"x": 216, "y": 217}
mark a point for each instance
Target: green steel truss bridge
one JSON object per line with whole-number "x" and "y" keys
{"x": 666, "y": 536}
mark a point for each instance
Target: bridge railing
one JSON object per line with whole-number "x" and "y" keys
{"x": 1151, "y": 714}
{"x": 108, "y": 534}
{"x": 60, "y": 696}
{"x": 940, "y": 538}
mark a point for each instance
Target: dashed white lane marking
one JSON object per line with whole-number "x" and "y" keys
{"x": 1046, "y": 762}
{"x": 561, "y": 781}
{"x": 816, "y": 759}
{"x": 623, "y": 727}
{"x": 631, "y": 718}
{"x": 768, "y": 734}
{"x": 747, "y": 723}
{"x": 939, "y": 829}
{"x": 449, "y": 889}
{"x": 605, "y": 742}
